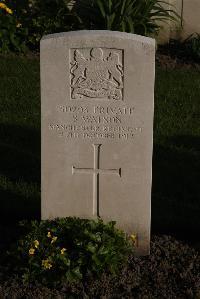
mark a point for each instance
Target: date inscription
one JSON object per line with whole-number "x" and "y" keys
{"x": 96, "y": 122}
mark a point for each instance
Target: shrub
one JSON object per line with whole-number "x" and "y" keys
{"x": 12, "y": 35}
{"x": 187, "y": 50}
{"x": 70, "y": 249}
{"x": 172, "y": 270}
{"x": 31, "y": 19}
{"x": 192, "y": 46}
{"x": 135, "y": 16}
{"x": 40, "y": 17}
{"x": 49, "y": 16}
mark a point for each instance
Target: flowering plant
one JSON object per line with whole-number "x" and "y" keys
{"x": 12, "y": 35}
{"x": 67, "y": 249}
{"x": 41, "y": 17}
{"x": 5, "y": 8}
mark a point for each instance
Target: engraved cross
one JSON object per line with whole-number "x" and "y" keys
{"x": 96, "y": 171}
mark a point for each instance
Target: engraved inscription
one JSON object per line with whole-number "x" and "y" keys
{"x": 96, "y": 73}
{"x": 101, "y": 122}
{"x": 96, "y": 171}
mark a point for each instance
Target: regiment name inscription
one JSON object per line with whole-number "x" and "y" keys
{"x": 96, "y": 122}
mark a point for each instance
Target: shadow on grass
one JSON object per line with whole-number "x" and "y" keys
{"x": 19, "y": 173}
{"x": 16, "y": 207}
{"x": 176, "y": 188}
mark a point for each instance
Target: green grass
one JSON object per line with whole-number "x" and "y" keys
{"x": 176, "y": 161}
{"x": 19, "y": 138}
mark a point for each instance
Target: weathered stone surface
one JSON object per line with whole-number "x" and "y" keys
{"x": 97, "y": 125}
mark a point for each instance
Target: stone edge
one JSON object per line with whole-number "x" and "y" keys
{"x": 100, "y": 33}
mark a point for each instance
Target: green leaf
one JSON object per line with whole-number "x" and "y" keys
{"x": 110, "y": 5}
{"x": 101, "y": 7}
{"x": 91, "y": 248}
{"x": 76, "y": 272}
{"x": 130, "y": 23}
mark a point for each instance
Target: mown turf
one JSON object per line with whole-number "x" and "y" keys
{"x": 176, "y": 160}
{"x": 19, "y": 138}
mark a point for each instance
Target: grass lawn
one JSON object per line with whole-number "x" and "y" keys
{"x": 176, "y": 161}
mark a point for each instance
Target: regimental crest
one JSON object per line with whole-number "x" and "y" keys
{"x": 96, "y": 73}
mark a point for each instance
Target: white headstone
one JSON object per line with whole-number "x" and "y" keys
{"x": 97, "y": 128}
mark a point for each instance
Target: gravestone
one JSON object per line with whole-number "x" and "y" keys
{"x": 97, "y": 124}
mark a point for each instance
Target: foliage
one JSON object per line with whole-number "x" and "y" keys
{"x": 40, "y": 17}
{"x": 192, "y": 46}
{"x": 69, "y": 249}
{"x": 172, "y": 270}
{"x": 31, "y": 19}
{"x": 11, "y": 34}
{"x": 48, "y": 16}
{"x": 187, "y": 50}
{"x": 136, "y": 16}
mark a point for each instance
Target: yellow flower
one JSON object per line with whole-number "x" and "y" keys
{"x": 31, "y": 251}
{"x": 5, "y": 7}
{"x": 49, "y": 235}
{"x": 18, "y": 25}
{"x": 9, "y": 10}
{"x": 53, "y": 240}
{"x": 46, "y": 264}
{"x": 36, "y": 243}
{"x": 133, "y": 237}
{"x": 63, "y": 250}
